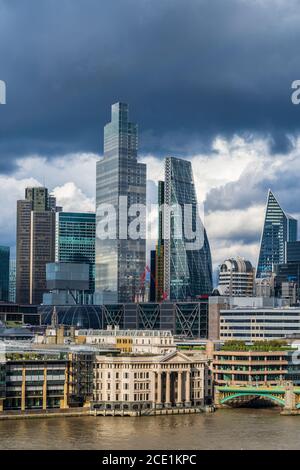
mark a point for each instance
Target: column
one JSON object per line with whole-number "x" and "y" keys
{"x": 23, "y": 393}
{"x": 45, "y": 389}
{"x": 159, "y": 401}
{"x": 187, "y": 388}
{"x": 168, "y": 388}
{"x": 179, "y": 389}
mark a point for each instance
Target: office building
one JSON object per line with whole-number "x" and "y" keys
{"x": 256, "y": 324}
{"x": 68, "y": 283}
{"x": 75, "y": 241}
{"x": 4, "y": 273}
{"x": 139, "y": 384}
{"x": 121, "y": 183}
{"x": 35, "y": 244}
{"x": 292, "y": 252}
{"x": 11, "y": 314}
{"x": 12, "y": 280}
{"x": 186, "y": 319}
{"x": 187, "y": 258}
{"x": 250, "y": 367}
{"x": 159, "y": 259}
{"x": 278, "y": 229}
{"x": 236, "y": 277}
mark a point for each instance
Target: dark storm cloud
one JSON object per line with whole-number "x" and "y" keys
{"x": 190, "y": 69}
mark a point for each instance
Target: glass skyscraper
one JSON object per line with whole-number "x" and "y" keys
{"x": 187, "y": 266}
{"x": 120, "y": 261}
{"x": 75, "y": 240}
{"x": 278, "y": 229}
{"x": 4, "y": 273}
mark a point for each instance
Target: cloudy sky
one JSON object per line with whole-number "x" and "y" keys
{"x": 208, "y": 80}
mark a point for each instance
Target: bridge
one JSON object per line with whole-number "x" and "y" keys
{"x": 287, "y": 396}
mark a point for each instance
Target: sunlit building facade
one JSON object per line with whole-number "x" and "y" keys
{"x": 120, "y": 260}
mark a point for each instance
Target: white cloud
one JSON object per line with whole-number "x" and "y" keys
{"x": 73, "y": 199}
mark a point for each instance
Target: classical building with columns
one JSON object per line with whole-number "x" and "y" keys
{"x": 144, "y": 383}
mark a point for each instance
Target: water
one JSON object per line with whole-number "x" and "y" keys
{"x": 225, "y": 429}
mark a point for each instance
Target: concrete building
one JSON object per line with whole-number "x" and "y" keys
{"x": 139, "y": 384}
{"x": 131, "y": 341}
{"x": 35, "y": 244}
{"x": 250, "y": 367}
{"x": 218, "y": 303}
{"x": 254, "y": 323}
{"x": 236, "y": 277}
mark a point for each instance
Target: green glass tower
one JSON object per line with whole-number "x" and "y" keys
{"x": 4, "y": 273}
{"x": 75, "y": 240}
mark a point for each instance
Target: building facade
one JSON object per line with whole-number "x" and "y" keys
{"x": 187, "y": 258}
{"x": 35, "y": 244}
{"x": 131, "y": 341}
{"x": 120, "y": 184}
{"x": 139, "y": 383}
{"x": 278, "y": 229}
{"x": 75, "y": 240}
{"x": 4, "y": 273}
{"x": 189, "y": 319}
{"x": 236, "y": 277}
{"x": 12, "y": 280}
{"x": 250, "y": 367}
{"x": 256, "y": 324}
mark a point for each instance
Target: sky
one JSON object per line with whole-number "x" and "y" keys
{"x": 207, "y": 80}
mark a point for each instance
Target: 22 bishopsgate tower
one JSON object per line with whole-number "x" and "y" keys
{"x": 120, "y": 260}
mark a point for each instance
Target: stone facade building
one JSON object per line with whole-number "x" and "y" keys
{"x": 127, "y": 384}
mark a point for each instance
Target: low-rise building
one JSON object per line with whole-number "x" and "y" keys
{"x": 250, "y": 367}
{"x": 254, "y": 324}
{"x": 138, "y": 383}
{"x": 37, "y": 378}
{"x": 131, "y": 341}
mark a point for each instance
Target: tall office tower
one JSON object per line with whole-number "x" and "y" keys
{"x": 75, "y": 240}
{"x": 278, "y": 229}
{"x": 187, "y": 263}
{"x": 236, "y": 277}
{"x": 4, "y": 273}
{"x": 120, "y": 259}
{"x": 12, "y": 280}
{"x": 159, "y": 263}
{"x": 35, "y": 244}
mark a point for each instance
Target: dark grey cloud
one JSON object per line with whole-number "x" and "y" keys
{"x": 190, "y": 69}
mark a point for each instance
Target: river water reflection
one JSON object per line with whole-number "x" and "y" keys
{"x": 225, "y": 429}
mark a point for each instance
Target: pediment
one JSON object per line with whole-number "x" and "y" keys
{"x": 176, "y": 357}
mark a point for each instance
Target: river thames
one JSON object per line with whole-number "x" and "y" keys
{"x": 225, "y": 429}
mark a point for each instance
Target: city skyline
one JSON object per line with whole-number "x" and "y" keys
{"x": 237, "y": 126}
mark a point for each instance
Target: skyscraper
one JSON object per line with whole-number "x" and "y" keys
{"x": 187, "y": 265}
{"x": 75, "y": 240}
{"x": 35, "y": 244}
{"x": 120, "y": 260}
{"x": 4, "y": 273}
{"x": 278, "y": 229}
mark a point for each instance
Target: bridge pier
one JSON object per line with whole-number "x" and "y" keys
{"x": 289, "y": 398}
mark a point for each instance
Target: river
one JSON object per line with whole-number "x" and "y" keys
{"x": 226, "y": 429}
